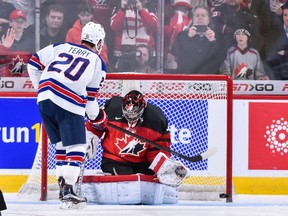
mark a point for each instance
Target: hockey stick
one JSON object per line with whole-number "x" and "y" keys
{"x": 195, "y": 158}
{"x": 81, "y": 174}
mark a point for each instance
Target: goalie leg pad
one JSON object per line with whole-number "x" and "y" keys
{"x": 129, "y": 189}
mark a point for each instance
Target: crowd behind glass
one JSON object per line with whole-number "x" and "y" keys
{"x": 246, "y": 39}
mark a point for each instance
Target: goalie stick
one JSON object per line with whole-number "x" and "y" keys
{"x": 195, "y": 158}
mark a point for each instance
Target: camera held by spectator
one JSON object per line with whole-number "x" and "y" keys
{"x": 127, "y": 61}
{"x": 138, "y": 59}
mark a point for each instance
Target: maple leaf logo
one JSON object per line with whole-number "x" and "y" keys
{"x": 240, "y": 71}
{"x": 16, "y": 66}
{"x": 130, "y": 145}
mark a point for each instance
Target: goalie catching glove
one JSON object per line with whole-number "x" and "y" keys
{"x": 95, "y": 129}
{"x": 168, "y": 171}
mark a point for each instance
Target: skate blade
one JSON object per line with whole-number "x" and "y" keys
{"x": 68, "y": 205}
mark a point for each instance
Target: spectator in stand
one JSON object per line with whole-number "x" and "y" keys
{"x": 133, "y": 24}
{"x": 69, "y": 7}
{"x": 229, "y": 17}
{"x": 197, "y": 48}
{"x": 27, "y": 6}
{"x": 243, "y": 62}
{"x": 278, "y": 58}
{"x": 270, "y": 30}
{"x": 178, "y": 23}
{"x": 5, "y": 10}
{"x": 85, "y": 15}
{"x": 16, "y": 38}
{"x": 143, "y": 59}
{"x": 139, "y": 60}
{"x": 52, "y": 31}
{"x": 270, "y": 24}
{"x": 16, "y": 46}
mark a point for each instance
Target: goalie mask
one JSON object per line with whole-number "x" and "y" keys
{"x": 133, "y": 107}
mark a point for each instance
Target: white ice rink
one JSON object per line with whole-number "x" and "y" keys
{"x": 243, "y": 205}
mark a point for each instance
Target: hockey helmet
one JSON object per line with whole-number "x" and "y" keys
{"x": 133, "y": 107}
{"x": 93, "y": 33}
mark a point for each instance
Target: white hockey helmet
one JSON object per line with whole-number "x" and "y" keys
{"x": 93, "y": 33}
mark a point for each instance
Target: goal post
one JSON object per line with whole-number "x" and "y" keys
{"x": 199, "y": 111}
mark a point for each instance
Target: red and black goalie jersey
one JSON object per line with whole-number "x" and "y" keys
{"x": 121, "y": 147}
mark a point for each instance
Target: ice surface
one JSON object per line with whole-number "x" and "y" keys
{"x": 243, "y": 205}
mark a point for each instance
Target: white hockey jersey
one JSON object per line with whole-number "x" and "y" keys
{"x": 70, "y": 75}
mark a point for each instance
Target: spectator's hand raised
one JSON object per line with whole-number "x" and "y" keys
{"x": 8, "y": 40}
{"x": 276, "y": 8}
{"x": 192, "y": 31}
{"x": 2, "y": 20}
{"x": 210, "y": 34}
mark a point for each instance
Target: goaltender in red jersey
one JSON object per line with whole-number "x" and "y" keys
{"x": 124, "y": 154}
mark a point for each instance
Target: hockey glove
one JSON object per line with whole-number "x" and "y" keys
{"x": 92, "y": 142}
{"x": 99, "y": 125}
{"x": 169, "y": 171}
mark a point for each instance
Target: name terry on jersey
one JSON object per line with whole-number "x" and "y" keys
{"x": 79, "y": 51}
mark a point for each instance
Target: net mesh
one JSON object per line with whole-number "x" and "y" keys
{"x": 197, "y": 114}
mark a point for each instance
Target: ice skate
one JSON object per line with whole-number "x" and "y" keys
{"x": 69, "y": 200}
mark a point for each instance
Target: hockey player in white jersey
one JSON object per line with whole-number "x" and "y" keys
{"x": 68, "y": 77}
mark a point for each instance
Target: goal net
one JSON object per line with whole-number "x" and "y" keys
{"x": 199, "y": 112}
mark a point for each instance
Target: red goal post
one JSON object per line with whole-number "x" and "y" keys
{"x": 199, "y": 111}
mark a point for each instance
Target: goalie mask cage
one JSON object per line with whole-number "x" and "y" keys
{"x": 199, "y": 112}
